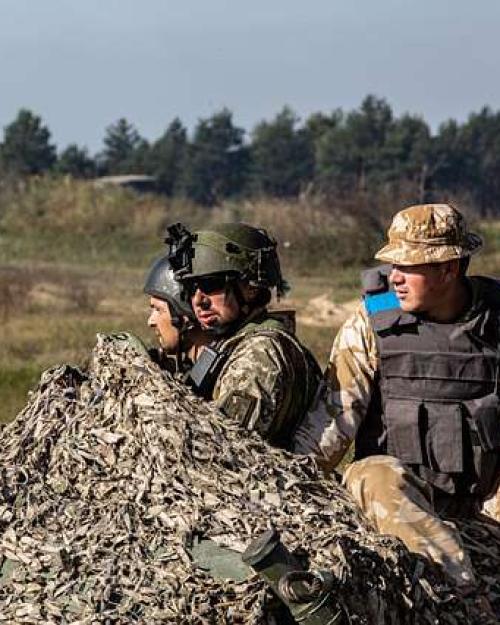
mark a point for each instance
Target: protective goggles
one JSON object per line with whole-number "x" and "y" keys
{"x": 207, "y": 285}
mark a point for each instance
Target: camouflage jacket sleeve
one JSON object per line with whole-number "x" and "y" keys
{"x": 256, "y": 384}
{"x": 342, "y": 400}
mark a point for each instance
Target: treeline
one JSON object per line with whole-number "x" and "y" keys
{"x": 337, "y": 155}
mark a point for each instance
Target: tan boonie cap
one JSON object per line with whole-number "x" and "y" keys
{"x": 428, "y": 233}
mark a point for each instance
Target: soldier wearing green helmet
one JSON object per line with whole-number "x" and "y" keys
{"x": 413, "y": 382}
{"x": 255, "y": 368}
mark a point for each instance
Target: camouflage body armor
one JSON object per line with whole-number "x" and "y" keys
{"x": 301, "y": 369}
{"x": 436, "y": 404}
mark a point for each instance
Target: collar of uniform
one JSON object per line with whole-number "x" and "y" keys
{"x": 255, "y": 318}
{"x": 394, "y": 320}
{"x": 476, "y": 300}
{"x": 476, "y": 303}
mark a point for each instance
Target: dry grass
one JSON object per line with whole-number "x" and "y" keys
{"x": 73, "y": 259}
{"x": 55, "y": 319}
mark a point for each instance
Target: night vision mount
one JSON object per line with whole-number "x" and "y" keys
{"x": 180, "y": 253}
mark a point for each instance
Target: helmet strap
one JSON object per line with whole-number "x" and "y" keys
{"x": 244, "y": 306}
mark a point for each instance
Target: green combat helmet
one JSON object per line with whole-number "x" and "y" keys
{"x": 237, "y": 251}
{"x": 161, "y": 283}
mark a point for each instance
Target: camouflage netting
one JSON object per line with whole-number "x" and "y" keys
{"x": 108, "y": 477}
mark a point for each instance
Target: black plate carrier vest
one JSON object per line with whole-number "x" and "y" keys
{"x": 436, "y": 404}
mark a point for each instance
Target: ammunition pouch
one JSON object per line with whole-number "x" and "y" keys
{"x": 487, "y": 423}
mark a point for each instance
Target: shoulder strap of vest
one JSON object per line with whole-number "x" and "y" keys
{"x": 272, "y": 328}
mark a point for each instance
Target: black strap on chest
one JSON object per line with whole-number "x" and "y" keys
{"x": 204, "y": 373}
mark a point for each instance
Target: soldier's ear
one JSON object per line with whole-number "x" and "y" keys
{"x": 248, "y": 291}
{"x": 451, "y": 270}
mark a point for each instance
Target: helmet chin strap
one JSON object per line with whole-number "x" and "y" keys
{"x": 184, "y": 326}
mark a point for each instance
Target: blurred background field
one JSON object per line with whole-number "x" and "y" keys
{"x": 73, "y": 260}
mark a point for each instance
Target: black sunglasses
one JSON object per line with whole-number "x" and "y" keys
{"x": 208, "y": 285}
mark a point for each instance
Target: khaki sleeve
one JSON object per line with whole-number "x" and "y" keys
{"x": 252, "y": 385}
{"x": 343, "y": 398}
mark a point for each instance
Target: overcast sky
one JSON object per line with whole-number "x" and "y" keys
{"x": 82, "y": 64}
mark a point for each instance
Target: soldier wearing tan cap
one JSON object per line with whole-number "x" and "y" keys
{"x": 413, "y": 382}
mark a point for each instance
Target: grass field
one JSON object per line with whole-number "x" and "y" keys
{"x": 54, "y": 318}
{"x": 72, "y": 263}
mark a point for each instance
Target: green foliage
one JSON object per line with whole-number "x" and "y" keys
{"x": 449, "y": 163}
{"x": 76, "y": 162}
{"x": 168, "y": 158}
{"x": 282, "y": 156}
{"x": 350, "y": 153}
{"x": 26, "y": 148}
{"x": 407, "y": 150}
{"x": 124, "y": 151}
{"x": 367, "y": 151}
{"x": 217, "y": 161}
{"x": 319, "y": 124}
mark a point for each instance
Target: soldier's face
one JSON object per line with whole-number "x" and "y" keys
{"x": 214, "y": 307}
{"x": 160, "y": 320}
{"x": 420, "y": 288}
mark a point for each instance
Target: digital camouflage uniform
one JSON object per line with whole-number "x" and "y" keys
{"x": 393, "y": 496}
{"x": 268, "y": 380}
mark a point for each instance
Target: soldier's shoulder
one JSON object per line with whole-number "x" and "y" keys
{"x": 274, "y": 346}
{"x": 261, "y": 340}
{"x": 356, "y": 333}
{"x": 358, "y": 320}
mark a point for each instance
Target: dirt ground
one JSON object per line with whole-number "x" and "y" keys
{"x": 323, "y": 312}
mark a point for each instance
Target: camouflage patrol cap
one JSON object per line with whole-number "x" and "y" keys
{"x": 428, "y": 233}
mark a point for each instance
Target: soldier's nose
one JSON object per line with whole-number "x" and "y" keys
{"x": 201, "y": 300}
{"x": 396, "y": 277}
{"x": 197, "y": 297}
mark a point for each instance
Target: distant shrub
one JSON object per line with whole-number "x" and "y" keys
{"x": 59, "y": 219}
{"x": 15, "y": 288}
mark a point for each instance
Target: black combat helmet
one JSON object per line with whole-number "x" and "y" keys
{"x": 161, "y": 283}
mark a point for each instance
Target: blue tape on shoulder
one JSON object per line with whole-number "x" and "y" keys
{"x": 380, "y": 302}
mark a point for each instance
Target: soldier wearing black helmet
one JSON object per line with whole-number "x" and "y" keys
{"x": 255, "y": 368}
{"x": 171, "y": 318}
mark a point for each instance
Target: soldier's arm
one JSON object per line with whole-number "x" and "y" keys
{"x": 252, "y": 385}
{"x": 342, "y": 401}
